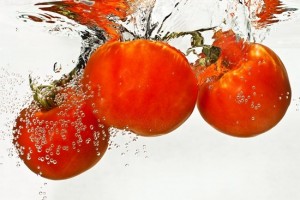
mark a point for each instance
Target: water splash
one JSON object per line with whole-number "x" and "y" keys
{"x": 252, "y": 19}
{"x": 153, "y": 19}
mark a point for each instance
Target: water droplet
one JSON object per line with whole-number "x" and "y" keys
{"x": 18, "y": 164}
{"x": 57, "y": 67}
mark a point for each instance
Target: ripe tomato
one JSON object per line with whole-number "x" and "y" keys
{"x": 62, "y": 142}
{"x": 250, "y": 92}
{"x": 145, "y": 86}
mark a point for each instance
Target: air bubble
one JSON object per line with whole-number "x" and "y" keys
{"x": 87, "y": 141}
{"x": 18, "y": 164}
{"x": 42, "y": 159}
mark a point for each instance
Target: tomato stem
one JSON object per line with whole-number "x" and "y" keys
{"x": 44, "y": 95}
{"x": 210, "y": 54}
{"x": 197, "y": 39}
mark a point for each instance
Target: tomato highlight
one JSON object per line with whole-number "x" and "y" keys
{"x": 248, "y": 92}
{"x": 62, "y": 142}
{"x": 144, "y": 86}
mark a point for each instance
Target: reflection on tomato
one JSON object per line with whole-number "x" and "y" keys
{"x": 145, "y": 86}
{"x": 93, "y": 13}
{"x": 62, "y": 142}
{"x": 267, "y": 11}
{"x": 250, "y": 92}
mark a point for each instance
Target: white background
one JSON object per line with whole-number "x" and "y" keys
{"x": 194, "y": 162}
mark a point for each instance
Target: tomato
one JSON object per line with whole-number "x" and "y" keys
{"x": 62, "y": 142}
{"x": 144, "y": 86}
{"x": 249, "y": 91}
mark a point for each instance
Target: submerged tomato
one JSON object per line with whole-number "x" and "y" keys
{"x": 145, "y": 86}
{"x": 62, "y": 142}
{"x": 248, "y": 97}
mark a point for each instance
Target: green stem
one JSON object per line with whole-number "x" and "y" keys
{"x": 44, "y": 95}
{"x": 211, "y": 53}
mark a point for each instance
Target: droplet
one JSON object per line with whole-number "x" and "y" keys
{"x": 57, "y": 68}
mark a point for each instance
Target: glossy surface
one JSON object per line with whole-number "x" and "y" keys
{"x": 251, "y": 93}
{"x": 63, "y": 142}
{"x": 145, "y": 86}
{"x": 194, "y": 162}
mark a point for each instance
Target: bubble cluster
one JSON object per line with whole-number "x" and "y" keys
{"x": 43, "y": 191}
{"x": 127, "y": 144}
{"x": 297, "y": 103}
{"x": 51, "y": 137}
{"x": 241, "y": 98}
{"x": 13, "y": 97}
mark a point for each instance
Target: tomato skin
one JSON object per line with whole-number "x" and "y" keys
{"x": 62, "y": 142}
{"x": 249, "y": 99}
{"x": 145, "y": 86}
{"x": 233, "y": 47}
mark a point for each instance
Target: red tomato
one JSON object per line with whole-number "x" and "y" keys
{"x": 62, "y": 142}
{"x": 249, "y": 97}
{"x": 145, "y": 86}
